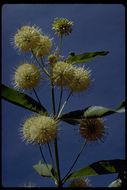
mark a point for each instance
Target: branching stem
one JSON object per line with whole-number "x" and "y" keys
{"x": 50, "y": 152}
{"x": 82, "y": 148}
{"x": 64, "y": 104}
{"x": 40, "y": 148}
{"x": 36, "y": 95}
{"x": 60, "y": 100}
{"x": 42, "y": 66}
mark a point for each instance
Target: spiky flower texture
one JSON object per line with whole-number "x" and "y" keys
{"x": 80, "y": 182}
{"x": 66, "y": 75}
{"x": 62, "y": 26}
{"x": 62, "y": 73}
{"x": 43, "y": 47}
{"x": 80, "y": 80}
{"x": 92, "y": 129}
{"x": 52, "y": 59}
{"x": 42, "y": 129}
{"x": 27, "y": 76}
{"x": 26, "y": 38}
{"x": 39, "y": 129}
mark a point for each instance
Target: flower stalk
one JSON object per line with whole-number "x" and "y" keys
{"x": 82, "y": 148}
{"x": 64, "y": 73}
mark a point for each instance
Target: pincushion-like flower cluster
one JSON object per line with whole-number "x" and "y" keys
{"x": 27, "y": 38}
{"x": 66, "y": 75}
{"x": 43, "y": 128}
{"x": 62, "y": 26}
{"x": 80, "y": 182}
{"x": 27, "y": 76}
{"x": 39, "y": 129}
{"x": 60, "y": 73}
{"x": 43, "y": 47}
{"x": 92, "y": 129}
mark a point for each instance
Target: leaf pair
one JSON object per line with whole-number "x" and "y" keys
{"x": 75, "y": 117}
{"x": 101, "y": 167}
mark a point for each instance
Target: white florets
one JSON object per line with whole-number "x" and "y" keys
{"x": 39, "y": 129}
{"x": 27, "y": 76}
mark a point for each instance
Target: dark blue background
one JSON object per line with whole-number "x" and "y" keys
{"x": 97, "y": 27}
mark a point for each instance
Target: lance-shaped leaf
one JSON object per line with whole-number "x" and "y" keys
{"x": 99, "y": 168}
{"x": 75, "y": 117}
{"x": 44, "y": 170}
{"x": 85, "y": 57}
{"x": 116, "y": 183}
{"x": 99, "y": 111}
{"x": 21, "y": 99}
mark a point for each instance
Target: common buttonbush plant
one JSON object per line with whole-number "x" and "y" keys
{"x": 65, "y": 73}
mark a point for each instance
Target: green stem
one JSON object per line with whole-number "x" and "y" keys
{"x": 82, "y": 148}
{"x": 59, "y": 184}
{"x": 42, "y": 62}
{"x": 40, "y": 148}
{"x": 60, "y": 100}
{"x": 64, "y": 104}
{"x": 50, "y": 152}
{"x": 36, "y": 95}
{"x": 60, "y": 44}
{"x": 57, "y": 162}
{"x": 53, "y": 99}
{"x": 55, "y": 141}
{"x": 42, "y": 66}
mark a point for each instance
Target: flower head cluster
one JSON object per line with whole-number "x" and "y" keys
{"x": 52, "y": 59}
{"x": 27, "y": 76}
{"x": 62, "y": 26}
{"x": 62, "y": 73}
{"x": 80, "y": 182}
{"x": 39, "y": 129}
{"x": 27, "y": 38}
{"x": 80, "y": 80}
{"x": 43, "y": 47}
{"x": 76, "y": 79}
{"x": 92, "y": 129}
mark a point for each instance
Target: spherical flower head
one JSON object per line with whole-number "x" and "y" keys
{"x": 52, "y": 59}
{"x": 62, "y": 73}
{"x": 80, "y": 80}
{"x": 27, "y": 38}
{"x": 43, "y": 47}
{"x": 39, "y": 129}
{"x": 92, "y": 129}
{"x": 80, "y": 182}
{"x": 27, "y": 76}
{"x": 62, "y": 26}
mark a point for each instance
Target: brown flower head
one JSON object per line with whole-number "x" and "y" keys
{"x": 80, "y": 182}
{"x": 92, "y": 129}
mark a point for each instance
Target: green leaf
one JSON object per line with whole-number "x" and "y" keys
{"x": 85, "y": 57}
{"x": 116, "y": 183}
{"x": 99, "y": 111}
{"x": 75, "y": 117}
{"x": 99, "y": 168}
{"x": 43, "y": 169}
{"x": 21, "y": 99}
